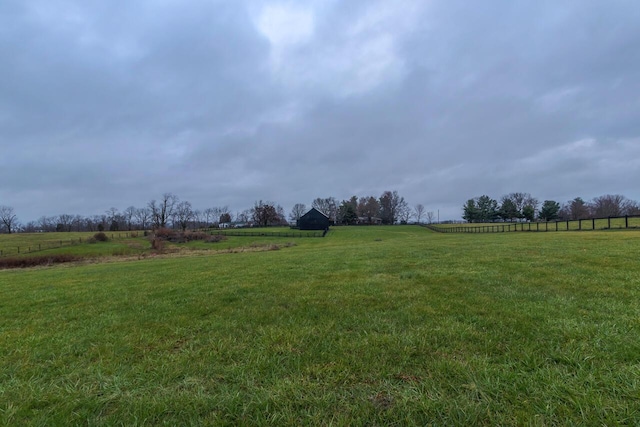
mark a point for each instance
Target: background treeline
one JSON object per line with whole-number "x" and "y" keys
{"x": 524, "y": 207}
{"x": 169, "y": 211}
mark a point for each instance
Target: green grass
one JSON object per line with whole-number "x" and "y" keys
{"x": 368, "y": 326}
{"x": 23, "y": 244}
{"x": 123, "y": 244}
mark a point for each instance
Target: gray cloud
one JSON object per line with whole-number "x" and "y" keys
{"x": 225, "y": 103}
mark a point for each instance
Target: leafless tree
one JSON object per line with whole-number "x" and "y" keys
{"x": 8, "y": 218}
{"x": 128, "y": 215}
{"x": 328, "y": 206}
{"x": 64, "y": 222}
{"x": 209, "y": 216}
{"x": 369, "y": 208}
{"x": 243, "y": 217}
{"x": 78, "y": 222}
{"x": 265, "y": 214}
{"x": 391, "y": 205}
{"x": 574, "y": 209}
{"x": 418, "y": 212}
{"x": 430, "y": 217}
{"x": 632, "y": 208}
{"x": 163, "y": 210}
{"x": 44, "y": 223}
{"x": 197, "y": 219}
{"x": 404, "y": 213}
{"x": 297, "y": 211}
{"x": 183, "y": 213}
{"x": 143, "y": 215}
{"x": 609, "y": 205}
{"x": 522, "y": 200}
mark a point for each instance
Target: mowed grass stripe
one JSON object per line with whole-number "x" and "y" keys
{"x": 370, "y": 325}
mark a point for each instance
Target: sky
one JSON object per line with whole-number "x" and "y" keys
{"x": 224, "y": 103}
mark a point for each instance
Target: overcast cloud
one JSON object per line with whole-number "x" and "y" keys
{"x": 111, "y": 104}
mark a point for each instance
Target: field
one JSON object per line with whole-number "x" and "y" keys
{"x": 367, "y": 326}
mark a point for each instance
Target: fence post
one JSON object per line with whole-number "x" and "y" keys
{"x": 609, "y": 222}
{"x": 593, "y": 223}
{"x": 626, "y": 221}
{"x": 579, "y": 224}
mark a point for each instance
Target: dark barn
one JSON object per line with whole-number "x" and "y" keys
{"x": 313, "y": 220}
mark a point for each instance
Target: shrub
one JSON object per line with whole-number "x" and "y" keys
{"x": 215, "y": 238}
{"x": 92, "y": 240}
{"x": 165, "y": 234}
{"x": 100, "y": 237}
{"x": 134, "y": 234}
{"x": 37, "y": 260}
{"x": 195, "y": 235}
{"x": 157, "y": 244}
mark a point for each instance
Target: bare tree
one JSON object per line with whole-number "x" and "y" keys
{"x": 369, "y": 208}
{"x": 78, "y": 222}
{"x": 8, "y": 218}
{"x": 224, "y": 218}
{"x": 418, "y": 212}
{"x": 244, "y": 217}
{"x": 197, "y": 218}
{"x": 64, "y": 222}
{"x": 44, "y": 223}
{"x": 209, "y": 215}
{"x": 608, "y": 205}
{"x": 264, "y": 214}
{"x": 297, "y": 211}
{"x": 128, "y": 216}
{"x": 163, "y": 210}
{"x": 404, "y": 213}
{"x": 143, "y": 215}
{"x": 328, "y": 206}
{"x": 522, "y": 201}
{"x": 574, "y": 209}
{"x": 391, "y": 205}
{"x": 183, "y": 213}
{"x": 632, "y": 208}
{"x": 430, "y": 217}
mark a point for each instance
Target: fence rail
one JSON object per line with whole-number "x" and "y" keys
{"x": 590, "y": 224}
{"x": 28, "y": 248}
{"x": 297, "y": 234}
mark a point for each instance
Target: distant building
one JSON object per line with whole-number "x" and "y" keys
{"x": 313, "y": 220}
{"x": 369, "y": 221}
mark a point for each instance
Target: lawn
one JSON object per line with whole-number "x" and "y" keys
{"x": 367, "y": 326}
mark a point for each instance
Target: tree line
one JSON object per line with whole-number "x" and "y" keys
{"x": 524, "y": 207}
{"x": 169, "y": 211}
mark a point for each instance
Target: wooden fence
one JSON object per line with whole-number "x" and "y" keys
{"x": 608, "y": 223}
{"x": 54, "y": 244}
{"x": 297, "y": 234}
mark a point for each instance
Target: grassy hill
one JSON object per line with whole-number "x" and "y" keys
{"x": 369, "y": 325}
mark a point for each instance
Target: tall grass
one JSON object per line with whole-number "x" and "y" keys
{"x": 368, "y": 326}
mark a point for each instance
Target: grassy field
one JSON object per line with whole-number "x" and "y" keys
{"x": 128, "y": 244}
{"x": 29, "y": 243}
{"x": 367, "y": 326}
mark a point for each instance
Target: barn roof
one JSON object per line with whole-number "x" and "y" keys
{"x": 316, "y": 210}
